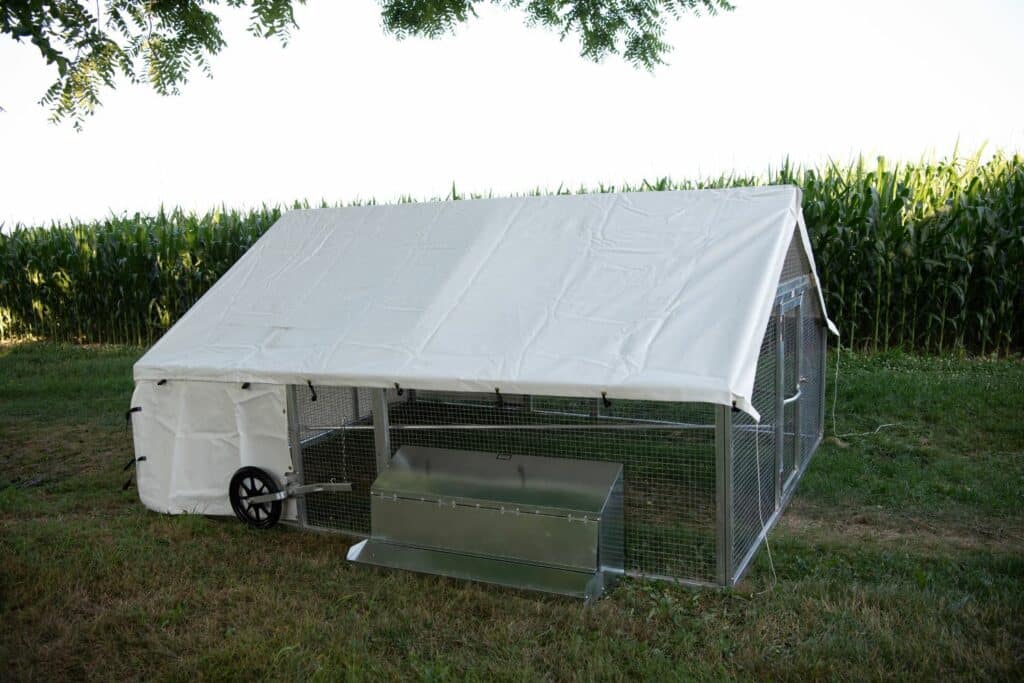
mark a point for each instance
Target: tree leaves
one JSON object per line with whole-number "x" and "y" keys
{"x": 160, "y": 42}
{"x": 630, "y": 28}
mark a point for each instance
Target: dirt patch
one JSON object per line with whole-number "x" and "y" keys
{"x": 888, "y": 527}
{"x": 34, "y": 453}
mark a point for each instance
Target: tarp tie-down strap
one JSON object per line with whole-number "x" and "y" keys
{"x": 128, "y": 466}
{"x": 312, "y": 391}
{"x": 128, "y": 416}
{"x": 130, "y": 463}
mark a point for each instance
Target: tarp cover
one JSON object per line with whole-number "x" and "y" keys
{"x": 647, "y": 295}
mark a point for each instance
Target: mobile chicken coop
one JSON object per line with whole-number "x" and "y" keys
{"x": 544, "y": 392}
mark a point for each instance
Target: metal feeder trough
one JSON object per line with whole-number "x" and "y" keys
{"x": 548, "y": 524}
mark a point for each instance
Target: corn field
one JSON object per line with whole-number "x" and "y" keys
{"x": 925, "y": 256}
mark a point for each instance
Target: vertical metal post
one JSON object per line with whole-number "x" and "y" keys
{"x": 823, "y": 334}
{"x": 295, "y": 447}
{"x": 798, "y": 367}
{"x": 780, "y": 407}
{"x": 381, "y": 429}
{"x": 723, "y": 494}
{"x": 355, "y": 405}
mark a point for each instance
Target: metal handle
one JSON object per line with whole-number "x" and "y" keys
{"x": 302, "y": 490}
{"x": 794, "y": 397}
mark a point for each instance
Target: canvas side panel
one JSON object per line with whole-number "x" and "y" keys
{"x": 262, "y": 420}
{"x": 153, "y": 431}
{"x": 195, "y": 435}
{"x": 205, "y": 452}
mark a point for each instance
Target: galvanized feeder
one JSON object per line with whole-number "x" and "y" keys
{"x": 546, "y": 393}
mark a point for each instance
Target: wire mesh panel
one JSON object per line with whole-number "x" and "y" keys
{"x": 790, "y": 385}
{"x": 796, "y": 263}
{"x": 782, "y": 451}
{"x": 333, "y": 453}
{"x": 813, "y": 395}
{"x": 755, "y": 464}
{"x": 667, "y": 451}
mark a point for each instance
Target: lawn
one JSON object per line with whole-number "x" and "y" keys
{"x": 901, "y": 556}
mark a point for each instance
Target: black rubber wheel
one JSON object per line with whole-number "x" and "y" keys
{"x": 249, "y": 482}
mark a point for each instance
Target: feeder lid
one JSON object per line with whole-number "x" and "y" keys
{"x": 531, "y": 484}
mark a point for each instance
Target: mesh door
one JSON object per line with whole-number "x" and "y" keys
{"x": 790, "y": 385}
{"x": 333, "y": 452}
{"x": 782, "y": 451}
{"x": 754, "y": 451}
{"x": 812, "y": 399}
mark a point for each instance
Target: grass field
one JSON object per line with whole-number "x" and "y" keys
{"x": 902, "y": 556}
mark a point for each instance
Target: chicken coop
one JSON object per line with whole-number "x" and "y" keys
{"x": 547, "y": 392}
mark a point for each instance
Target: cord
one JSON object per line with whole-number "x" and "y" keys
{"x": 835, "y": 400}
{"x": 760, "y": 511}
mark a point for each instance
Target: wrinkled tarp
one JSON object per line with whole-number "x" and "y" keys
{"x": 648, "y": 295}
{"x": 655, "y": 295}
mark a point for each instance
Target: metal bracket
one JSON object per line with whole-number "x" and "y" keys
{"x": 292, "y": 490}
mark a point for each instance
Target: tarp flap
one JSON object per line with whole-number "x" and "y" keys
{"x": 195, "y": 436}
{"x": 653, "y": 295}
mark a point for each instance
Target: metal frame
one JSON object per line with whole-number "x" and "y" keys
{"x": 798, "y": 319}
{"x": 639, "y": 426}
{"x": 730, "y": 556}
{"x": 724, "y": 491}
{"x": 295, "y": 448}
{"x": 769, "y": 524}
{"x": 381, "y": 431}
{"x": 792, "y": 294}
{"x": 293, "y": 490}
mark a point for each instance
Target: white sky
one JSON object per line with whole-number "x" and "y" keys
{"x": 346, "y": 112}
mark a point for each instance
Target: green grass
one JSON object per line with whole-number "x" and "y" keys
{"x": 901, "y": 556}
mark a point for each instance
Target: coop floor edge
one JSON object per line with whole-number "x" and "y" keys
{"x": 585, "y": 585}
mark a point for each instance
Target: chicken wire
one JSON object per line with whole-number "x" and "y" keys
{"x": 794, "y": 339}
{"x": 796, "y": 263}
{"x": 812, "y": 400}
{"x": 330, "y": 452}
{"x": 667, "y": 451}
{"x": 754, "y": 453}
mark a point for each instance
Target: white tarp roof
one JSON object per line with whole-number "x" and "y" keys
{"x": 647, "y": 295}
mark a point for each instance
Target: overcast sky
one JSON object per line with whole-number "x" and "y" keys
{"x": 346, "y": 112}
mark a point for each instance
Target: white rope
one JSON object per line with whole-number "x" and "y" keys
{"x": 873, "y": 431}
{"x": 835, "y": 400}
{"x": 760, "y": 511}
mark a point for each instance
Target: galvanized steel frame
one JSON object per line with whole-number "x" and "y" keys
{"x": 730, "y": 564}
{"x": 792, "y": 294}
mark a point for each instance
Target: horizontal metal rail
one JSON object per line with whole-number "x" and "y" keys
{"x": 302, "y": 490}
{"x": 512, "y": 406}
{"x": 641, "y": 427}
